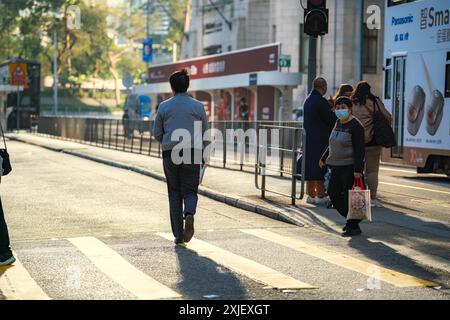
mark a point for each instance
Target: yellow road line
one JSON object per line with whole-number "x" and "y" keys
{"x": 395, "y": 278}
{"x": 411, "y": 187}
{"x": 244, "y": 266}
{"x": 121, "y": 271}
{"x": 17, "y": 284}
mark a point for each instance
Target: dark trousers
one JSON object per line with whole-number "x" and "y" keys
{"x": 341, "y": 181}
{"x": 4, "y": 236}
{"x": 182, "y": 187}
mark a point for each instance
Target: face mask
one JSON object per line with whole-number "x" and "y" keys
{"x": 342, "y": 114}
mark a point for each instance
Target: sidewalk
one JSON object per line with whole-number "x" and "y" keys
{"x": 411, "y": 235}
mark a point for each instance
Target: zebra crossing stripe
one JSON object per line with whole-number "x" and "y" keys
{"x": 17, "y": 284}
{"x": 244, "y": 266}
{"x": 395, "y": 278}
{"x": 121, "y": 271}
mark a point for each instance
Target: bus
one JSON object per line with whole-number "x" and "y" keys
{"x": 417, "y": 82}
{"x": 20, "y": 107}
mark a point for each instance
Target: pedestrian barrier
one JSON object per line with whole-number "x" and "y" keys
{"x": 239, "y": 145}
{"x": 283, "y": 160}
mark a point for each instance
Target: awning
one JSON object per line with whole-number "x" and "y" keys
{"x": 263, "y": 78}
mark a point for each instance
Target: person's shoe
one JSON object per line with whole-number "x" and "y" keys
{"x": 6, "y": 261}
{"x": 322, "y": 201}
{"x": 351, "y": 232}
{"x": 188, "y": 228}
{"x": 180, "y": 242}
{"x": 311, "y": 200}
{"x": 344, "y": 228}
{"x": 375, "y": 204}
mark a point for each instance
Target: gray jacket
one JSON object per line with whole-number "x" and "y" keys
{"x": 180, "y": 112}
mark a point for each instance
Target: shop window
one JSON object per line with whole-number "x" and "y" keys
{"x": 370, "y": 50}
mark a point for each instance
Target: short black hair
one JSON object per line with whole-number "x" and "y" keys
{"x": 179, "y": 81}
{"x": 344, "y": 100}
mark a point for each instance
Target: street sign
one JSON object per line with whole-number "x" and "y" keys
{"x": 253, "y": 79}
{"x": 147, "y": 50}
{"x": 285, "y": 61}
{"x": 127, "y": 81}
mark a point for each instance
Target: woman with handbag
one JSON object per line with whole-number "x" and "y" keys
{"x": 366, "y": 107}
{"x": 345, "y": 157}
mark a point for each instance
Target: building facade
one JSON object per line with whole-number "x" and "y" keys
{"x": 350, "y": 52}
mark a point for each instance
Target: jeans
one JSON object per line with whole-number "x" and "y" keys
{"x": 5, "y": 250}
{"x": 182, "y": 186}
{"x": 342, "y": 179}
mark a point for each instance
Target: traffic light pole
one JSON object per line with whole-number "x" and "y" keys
{"x": 312, "y": 62}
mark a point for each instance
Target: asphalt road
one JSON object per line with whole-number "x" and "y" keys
{"x": 83, "y": 230}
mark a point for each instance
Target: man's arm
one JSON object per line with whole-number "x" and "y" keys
{"x": 158, "y": 127}
{"x": 325, "y": 113}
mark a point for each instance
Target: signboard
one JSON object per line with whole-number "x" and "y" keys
{"x": 285, "y": 61}
{"x": 253, "y": 79}
{"x": 127, "y": 81}
{"x": 263, "y": 58}
{"x": 147, "y": 50}
{"x": 18, "y": 73}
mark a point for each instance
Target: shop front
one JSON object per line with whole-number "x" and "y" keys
{"x": 246, "y": 85}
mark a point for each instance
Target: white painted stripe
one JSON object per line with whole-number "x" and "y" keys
{"x": 121, "y": 271}
{"x": 412, "y": 187}
{"x": 17, "y": 284}
{"x": 393, "y": 277}
{"x": 244, "y": 266}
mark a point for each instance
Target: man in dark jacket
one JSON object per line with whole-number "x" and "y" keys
{"x": 318, "y": 123}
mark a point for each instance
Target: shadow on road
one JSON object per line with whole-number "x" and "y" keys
{"x": 202, "y": 277}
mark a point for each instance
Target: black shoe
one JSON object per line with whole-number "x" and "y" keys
{"x": 351, "y": 232}
{"x": 6, "y": 260}
{"x": 188, "y": 228}
{"x": 180, "y": 242}
{"x": 344, "y": 228}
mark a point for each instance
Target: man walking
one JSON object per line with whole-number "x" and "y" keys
{"x": 318, "y": 123}
{"x": 181, "y": 114}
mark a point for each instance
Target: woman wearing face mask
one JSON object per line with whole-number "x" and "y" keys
{"x": 345, "y": 157}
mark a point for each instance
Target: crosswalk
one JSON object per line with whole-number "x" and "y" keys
{"x": 16, "y": 283}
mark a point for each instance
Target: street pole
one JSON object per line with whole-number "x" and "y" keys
{"x": 148, "y": 31}
{"x": 18, "y": 108}
{"x": 55, "y": 73}
{"x": 312, "y": 62}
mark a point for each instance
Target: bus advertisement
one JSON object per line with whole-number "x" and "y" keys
{"x": 417, "y": 82}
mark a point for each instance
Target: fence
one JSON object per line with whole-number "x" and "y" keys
{"x": 266, "y": 148}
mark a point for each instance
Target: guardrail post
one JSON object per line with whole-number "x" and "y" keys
{"x": 110, "y": 129}
{"x": 294, "y": 163}
{"x": 103, "y": 132}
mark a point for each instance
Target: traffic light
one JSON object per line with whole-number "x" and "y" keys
{"x": 316, "y": 18}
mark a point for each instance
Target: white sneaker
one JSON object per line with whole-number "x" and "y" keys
{"x": 375, "y": 204}
{"x": 311, "y": 200}
{"x": 322, "y": 201}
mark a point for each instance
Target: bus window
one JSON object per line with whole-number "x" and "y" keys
{"x": 388, "y": 80}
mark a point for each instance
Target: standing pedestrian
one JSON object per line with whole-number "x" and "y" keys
{"x": 126, "y": 123}
{"x": 179, "y": 114}
{"x": 318, "y": 123}
{"x": 345, "y": 90}
{"x": 345, "y": 156}
{"x": 6, "y": 255}
{"x": 365, "y": 105}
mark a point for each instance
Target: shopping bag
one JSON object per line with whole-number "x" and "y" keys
{"x": 359, "y": 202}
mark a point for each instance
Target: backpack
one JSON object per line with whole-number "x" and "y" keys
{"x": 383, "y": 134}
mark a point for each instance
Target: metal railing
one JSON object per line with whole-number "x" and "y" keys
{"x": 136, "y": 136}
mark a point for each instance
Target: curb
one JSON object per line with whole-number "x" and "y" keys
{"x": 204, "y": 191}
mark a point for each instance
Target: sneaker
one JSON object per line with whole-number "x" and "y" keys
{"x": 375, "y": 204}
{"x": 311, "y": 200}
{"x": 322, "y": 201}
{"x": 351, "y": 232}
{"x": 180, "y": 242}
{"x": 7, "y": 261}
{"x": 188, "y": 228}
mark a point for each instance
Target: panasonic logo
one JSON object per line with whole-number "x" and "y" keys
{"x": 403, "y": 20}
